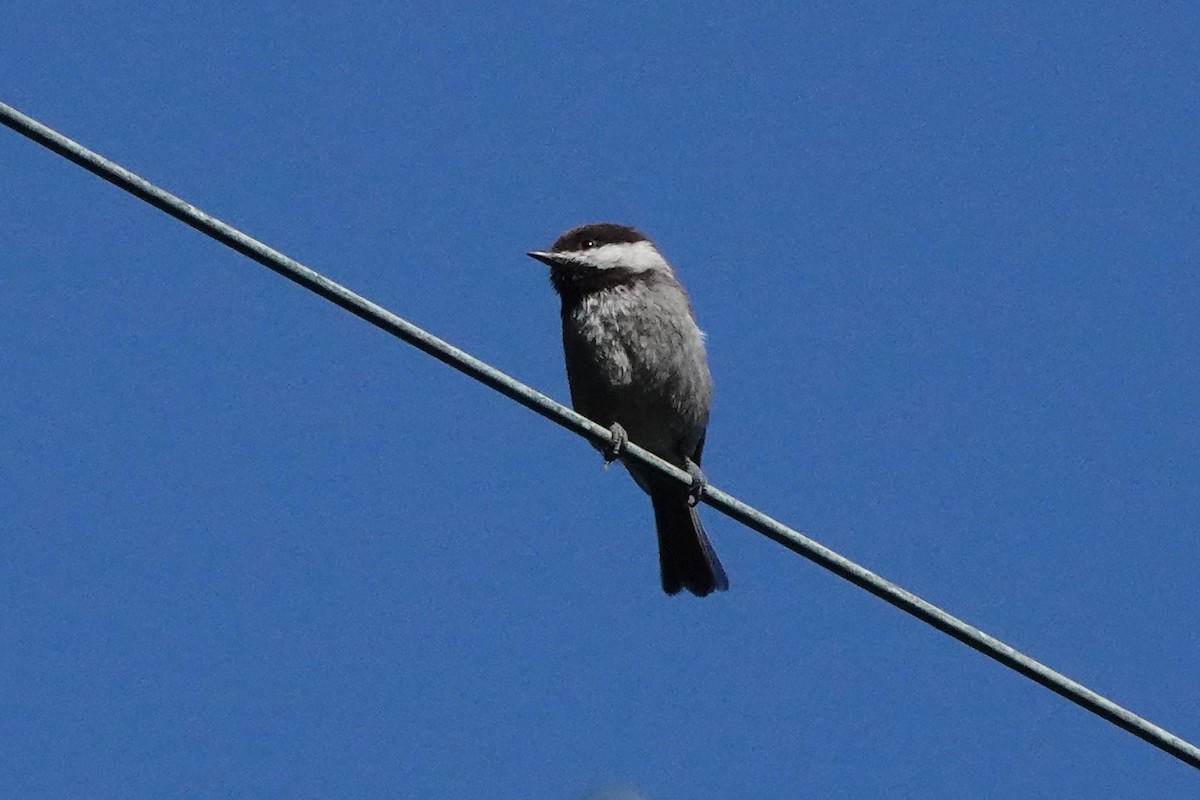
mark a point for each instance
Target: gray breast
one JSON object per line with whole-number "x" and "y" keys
{"x": 635, "y": 356}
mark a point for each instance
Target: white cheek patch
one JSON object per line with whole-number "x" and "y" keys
{"x": 634, "y": 256}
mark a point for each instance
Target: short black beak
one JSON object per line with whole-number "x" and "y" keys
{"x": 549, "y": 259}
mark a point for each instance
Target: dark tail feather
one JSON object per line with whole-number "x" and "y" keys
{"x": 685, "y": 555}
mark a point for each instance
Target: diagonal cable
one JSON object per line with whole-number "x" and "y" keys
{"x": 556, "y": 412}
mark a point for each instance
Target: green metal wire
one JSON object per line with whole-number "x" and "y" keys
{"x": 560, "y": 414}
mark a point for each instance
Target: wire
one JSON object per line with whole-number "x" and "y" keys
{"x": 560, "y": 414}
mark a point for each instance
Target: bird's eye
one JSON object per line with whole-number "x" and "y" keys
{"x": 589, "y": 244}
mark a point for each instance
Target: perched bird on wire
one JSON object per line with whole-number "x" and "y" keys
{"x": 636, "y": 364}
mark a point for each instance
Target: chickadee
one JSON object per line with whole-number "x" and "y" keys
{"x": 636, "y": 364}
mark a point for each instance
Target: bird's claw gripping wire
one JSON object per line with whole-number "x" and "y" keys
{"x": 699, "y": 482}
{"x": 616, "y": 445}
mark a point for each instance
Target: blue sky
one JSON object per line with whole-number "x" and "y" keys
{"x": 947, "y": 263}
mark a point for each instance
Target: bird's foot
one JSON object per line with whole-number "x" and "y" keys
{"x": 616, "y": 445}
{"x": 699, "y": 482}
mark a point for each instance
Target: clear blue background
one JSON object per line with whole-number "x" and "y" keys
{"x": 948, "y": 264}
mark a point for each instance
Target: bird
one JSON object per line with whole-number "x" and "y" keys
{"x": 636, "y": 364}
